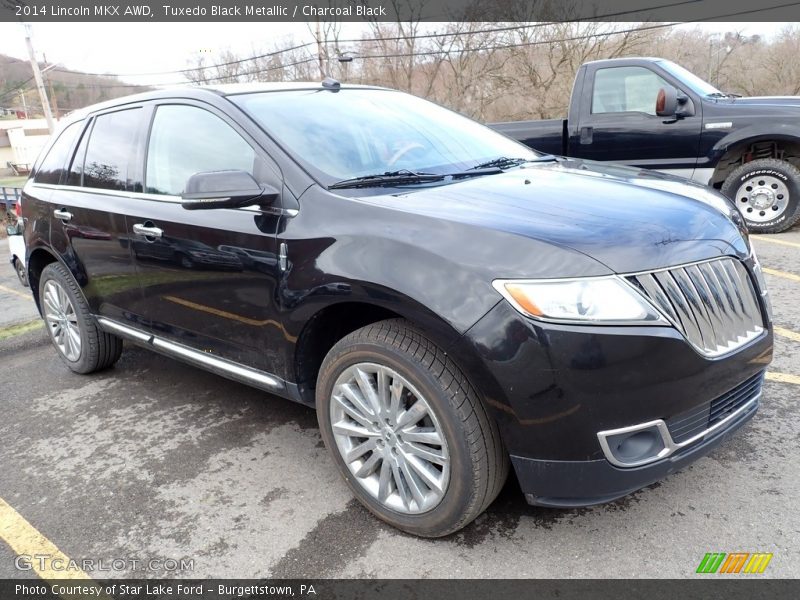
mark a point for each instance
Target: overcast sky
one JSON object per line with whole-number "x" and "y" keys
{"x": 149, "y": 47}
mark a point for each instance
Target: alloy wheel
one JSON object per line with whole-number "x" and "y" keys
{"x": 62, "y": 320}
{"x": 390, "y": 439}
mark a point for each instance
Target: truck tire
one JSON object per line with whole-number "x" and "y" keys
{"x": 80, "y": 343}
{"x": 767, "y": 193}
{"x": 408, "y": 432}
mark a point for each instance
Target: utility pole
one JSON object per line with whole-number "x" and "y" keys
{"x": 24, "y": 105}
{"x": 38, "y": 77}
{"x": 53, "y": 96}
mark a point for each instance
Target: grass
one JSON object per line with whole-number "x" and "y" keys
{"x": 20, "y": 328}
{"x": 13, "y": 181}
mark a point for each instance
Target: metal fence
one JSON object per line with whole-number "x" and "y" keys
{"x": 9, "y": 196}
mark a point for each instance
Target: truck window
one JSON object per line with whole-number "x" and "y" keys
{"x": 626, "y": 89}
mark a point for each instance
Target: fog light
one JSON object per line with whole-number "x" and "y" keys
{"x": 634, "y": 446}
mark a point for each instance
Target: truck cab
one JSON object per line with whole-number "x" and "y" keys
{"x": 651, "y": 113}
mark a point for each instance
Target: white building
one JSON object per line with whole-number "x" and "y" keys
{"x": 21, "y": 140}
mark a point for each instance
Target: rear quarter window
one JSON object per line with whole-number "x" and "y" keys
{"x": 108, "y": 159}
{"x": 51, "y": 169}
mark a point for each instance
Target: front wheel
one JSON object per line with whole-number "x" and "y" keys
{"x": 767, "y": 193}
{"x": 407, "y": 430}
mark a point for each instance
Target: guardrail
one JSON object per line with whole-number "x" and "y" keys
{"x": 9, "y": 196}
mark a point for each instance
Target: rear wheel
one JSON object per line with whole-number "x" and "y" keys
{"x": 767, "y": 194}
{"x": 80, "y": 343}
{"x": 21, "y": 272}
{"x": 407, "y": 431}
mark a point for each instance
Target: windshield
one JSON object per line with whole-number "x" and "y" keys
{"x": 696, "y": 84}
{"x": 357, "y": 132}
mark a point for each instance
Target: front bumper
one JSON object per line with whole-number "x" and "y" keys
{"x": 583, "y": 483}
{"x": 552, "y": 388}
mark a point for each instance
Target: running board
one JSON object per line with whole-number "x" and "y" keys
{"x": 220, "y": 366}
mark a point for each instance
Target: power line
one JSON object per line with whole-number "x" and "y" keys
{"x": 441, "y": 52}
{"x": 190, "y": 69}
{"x": 570, "y": 39}
{"x": 386, "y": 39}
{"x": 16, "y": 89}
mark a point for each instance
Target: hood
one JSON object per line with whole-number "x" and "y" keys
{"x": 627, "y": 219}
{"x": 767, "y": 101}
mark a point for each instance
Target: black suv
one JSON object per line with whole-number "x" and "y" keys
{"x": 450, "y": 301}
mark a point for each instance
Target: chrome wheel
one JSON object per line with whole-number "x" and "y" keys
{"x": 762, "y": 198}
{"x": 389, "y": 438}
{"x": 62, "y": 320}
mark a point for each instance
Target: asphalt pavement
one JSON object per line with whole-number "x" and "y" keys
{"x": 154, "y": 461}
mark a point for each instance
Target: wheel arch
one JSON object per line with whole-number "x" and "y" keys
{"x": 326, "y": 324}
{"x": 751, "y": 143}
{"x": 38, "y": 259}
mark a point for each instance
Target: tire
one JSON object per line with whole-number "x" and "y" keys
{"x": 476, "y": 462}
{"x": 767, "y": 193}
{"x": 97, "y": 349}
{"x": 22, "y": 273}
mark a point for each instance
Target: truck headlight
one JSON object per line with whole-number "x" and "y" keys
{"x": 601, "y": 300}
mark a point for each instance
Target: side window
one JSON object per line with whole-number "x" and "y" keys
{"x": 110, "y": 155}
{"x": 52, "y": 167}
{"x": 186, "y": 140}
{"x": 626, "y": 89}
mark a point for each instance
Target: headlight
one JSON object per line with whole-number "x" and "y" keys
{"x": 603, "y": 300}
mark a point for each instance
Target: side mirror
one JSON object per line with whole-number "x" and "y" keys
{"x": 13, "y": 230}
{"x": 225, "y": 189}
{"x": 667, "y": 102}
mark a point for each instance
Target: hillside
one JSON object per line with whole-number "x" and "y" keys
{"x": 68, "y": 90}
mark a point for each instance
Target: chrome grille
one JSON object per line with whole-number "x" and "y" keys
{"x": 713, "y": 303}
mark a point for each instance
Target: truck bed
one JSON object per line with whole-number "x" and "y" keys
{"x": 546, "y": 136}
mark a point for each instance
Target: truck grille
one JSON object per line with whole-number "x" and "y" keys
{"x": 696, "y": 420}
{"x": 713, "y": 303}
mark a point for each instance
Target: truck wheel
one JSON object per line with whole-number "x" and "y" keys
{"x": 408, "y": 432}
{"x": 80, "y": 343}
{"x": 767, "y": 193}
{"x": 21, "y": 272}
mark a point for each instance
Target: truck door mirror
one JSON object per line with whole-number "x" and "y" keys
{"x": 667, "y": 102}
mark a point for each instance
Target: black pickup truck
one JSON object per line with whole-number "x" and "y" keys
{"x": 654, "y": 114}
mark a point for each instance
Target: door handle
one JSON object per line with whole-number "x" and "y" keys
{"x": 586, "y": 135}
{"x": 147, "y": 230}
{"x": 62, "y": 214}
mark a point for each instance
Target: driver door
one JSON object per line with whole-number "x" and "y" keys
{"x": 619, "y": 123}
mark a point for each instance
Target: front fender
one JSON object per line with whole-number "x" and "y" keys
{"x": 755, "y": 133}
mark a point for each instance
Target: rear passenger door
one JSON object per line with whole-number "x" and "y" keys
{"x": 208, "y": 277}
{"x": 88, "y": 223}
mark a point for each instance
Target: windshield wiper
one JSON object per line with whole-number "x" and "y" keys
{"x": 722, "y": 95}
{"x": 504, "y": 162}
{"x": 404, "y": 176}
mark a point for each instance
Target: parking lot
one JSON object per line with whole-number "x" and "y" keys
{"x": 156, "y": 461}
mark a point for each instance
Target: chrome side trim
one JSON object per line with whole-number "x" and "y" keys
{"x": 289, "y": 212}
{"x": 128, "y": 332}
{"x": 670, "y": 446}
{"x": 215, "y": 364}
